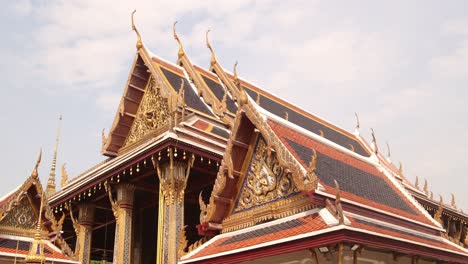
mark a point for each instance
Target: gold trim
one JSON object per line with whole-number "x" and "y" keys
{"x": 270, "y": 211}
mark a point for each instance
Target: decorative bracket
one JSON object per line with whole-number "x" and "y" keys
{"x": 114, "y": 204}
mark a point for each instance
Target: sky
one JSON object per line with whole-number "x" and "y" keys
{"x": 402, "y": 65}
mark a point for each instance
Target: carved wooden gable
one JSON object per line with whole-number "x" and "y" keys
{"x": 21, "y": 216}
{"x": 153, "y": 112}
{"x": 267, "y": 191}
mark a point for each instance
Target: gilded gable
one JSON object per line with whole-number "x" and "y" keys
{"x": 267, "y": 192}
{"x": 265, "y": 181}
{"x": 21, "y": 216}
{"x": 152, "y": 113}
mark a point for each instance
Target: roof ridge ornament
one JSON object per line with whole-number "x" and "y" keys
{"x": 400, "y": 168}
{"x": 181, "y": 51}
{"x": 208, "y": 45}
{"x": 358, "y": 125}
{"x": 35, "y": 173}
{"x": 453, "y": 203}
{"x": 139, "y": 43}
{"x": 440, "y": 208}
{"x": 425, "y": 188}
{"x": 374, "y": 141}
{"x": 64, "y": 176}
{"x": 242, "y": 94}
{"x": 416, "y": 183}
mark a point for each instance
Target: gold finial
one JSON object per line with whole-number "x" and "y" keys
{"x": 357, "y": 121}
{"x": 374, "y": 141}
{"x": 389, "y": 155}
{"x": 425, "y": 188}
{"x": 139, "y": 44}
{"x": 64, "y": 176}
{"x": 51, "y": 182}
{"x": 181, "y": 51}
{"x": 416, "y": 183}
{"x": 213, "y": 56}
{"x": 453, "y": 203}
{"x": 36, "y": 252}
{"x": 35, "y": 172}
{"x": 400, "y": 169}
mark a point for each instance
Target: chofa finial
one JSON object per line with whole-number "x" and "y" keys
{"x": 453, "y": 203}
{"x": 213, "y": 56}
{"x": 181, "y": 52}
{"x": 35, "y": 172}
{"x": 389, "y": 155}
{"x": 374, "y": 141}
{"x": 139, "y": 44}
{"x": 357, "y": 121}
{"x": 64, "y": 176}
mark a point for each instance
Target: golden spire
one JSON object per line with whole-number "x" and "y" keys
{"x": 213, "y": 56}
{"x": 36, "y": 252}
{"x": 64, "y": 176}
{"x": 139, "y": 44}
{"x": 374, "y": 141}
{"x": 181, "y": 52}
{"x": 51, "y": 182}
{"x": 34, "y": 173}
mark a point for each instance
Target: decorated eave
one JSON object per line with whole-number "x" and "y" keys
{"x": 318, "y": 228}
{"x": 199, "y": 136}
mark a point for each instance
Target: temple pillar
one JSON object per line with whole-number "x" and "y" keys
{"x": 85, "y": 233}
{"x": 173, "y": 178}
{"x": 123, "y": 212}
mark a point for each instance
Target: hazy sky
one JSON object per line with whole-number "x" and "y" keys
{"x": 402, "y": 65}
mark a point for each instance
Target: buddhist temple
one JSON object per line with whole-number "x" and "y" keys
{"x": 203, "y": 166}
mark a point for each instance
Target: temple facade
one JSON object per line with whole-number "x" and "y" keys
{"x": 203, "y": 166}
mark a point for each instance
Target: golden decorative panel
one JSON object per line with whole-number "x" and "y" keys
{"x": 21, "y": 216}
{"x": 265, "y": 181}
{"x": 152, "y": 113}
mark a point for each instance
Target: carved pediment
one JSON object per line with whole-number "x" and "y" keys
{"x": 22, "y": 216}
{"x": 267, "y": 191}
{"x": 153, "y": 112}
{"x": 266, "y": 180}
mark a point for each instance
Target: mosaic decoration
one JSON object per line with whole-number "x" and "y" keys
{"x": 21, "y": 217}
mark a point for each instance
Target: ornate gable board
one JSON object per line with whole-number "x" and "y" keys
{"x": 145, "y": 86}
{"x": 267, "y": 190}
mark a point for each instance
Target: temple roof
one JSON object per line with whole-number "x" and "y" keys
{"x": 18, "y": 247}
{"x": 307, "y": 230}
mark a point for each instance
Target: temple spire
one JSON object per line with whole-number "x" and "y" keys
{"x": 51, "y": 182}
{"x": 36, "y": 252}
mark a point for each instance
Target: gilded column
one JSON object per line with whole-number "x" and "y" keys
{"x": 123, "y": 212}
{"x": 85, "y": 232}
{"x": 173, "y": 178}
